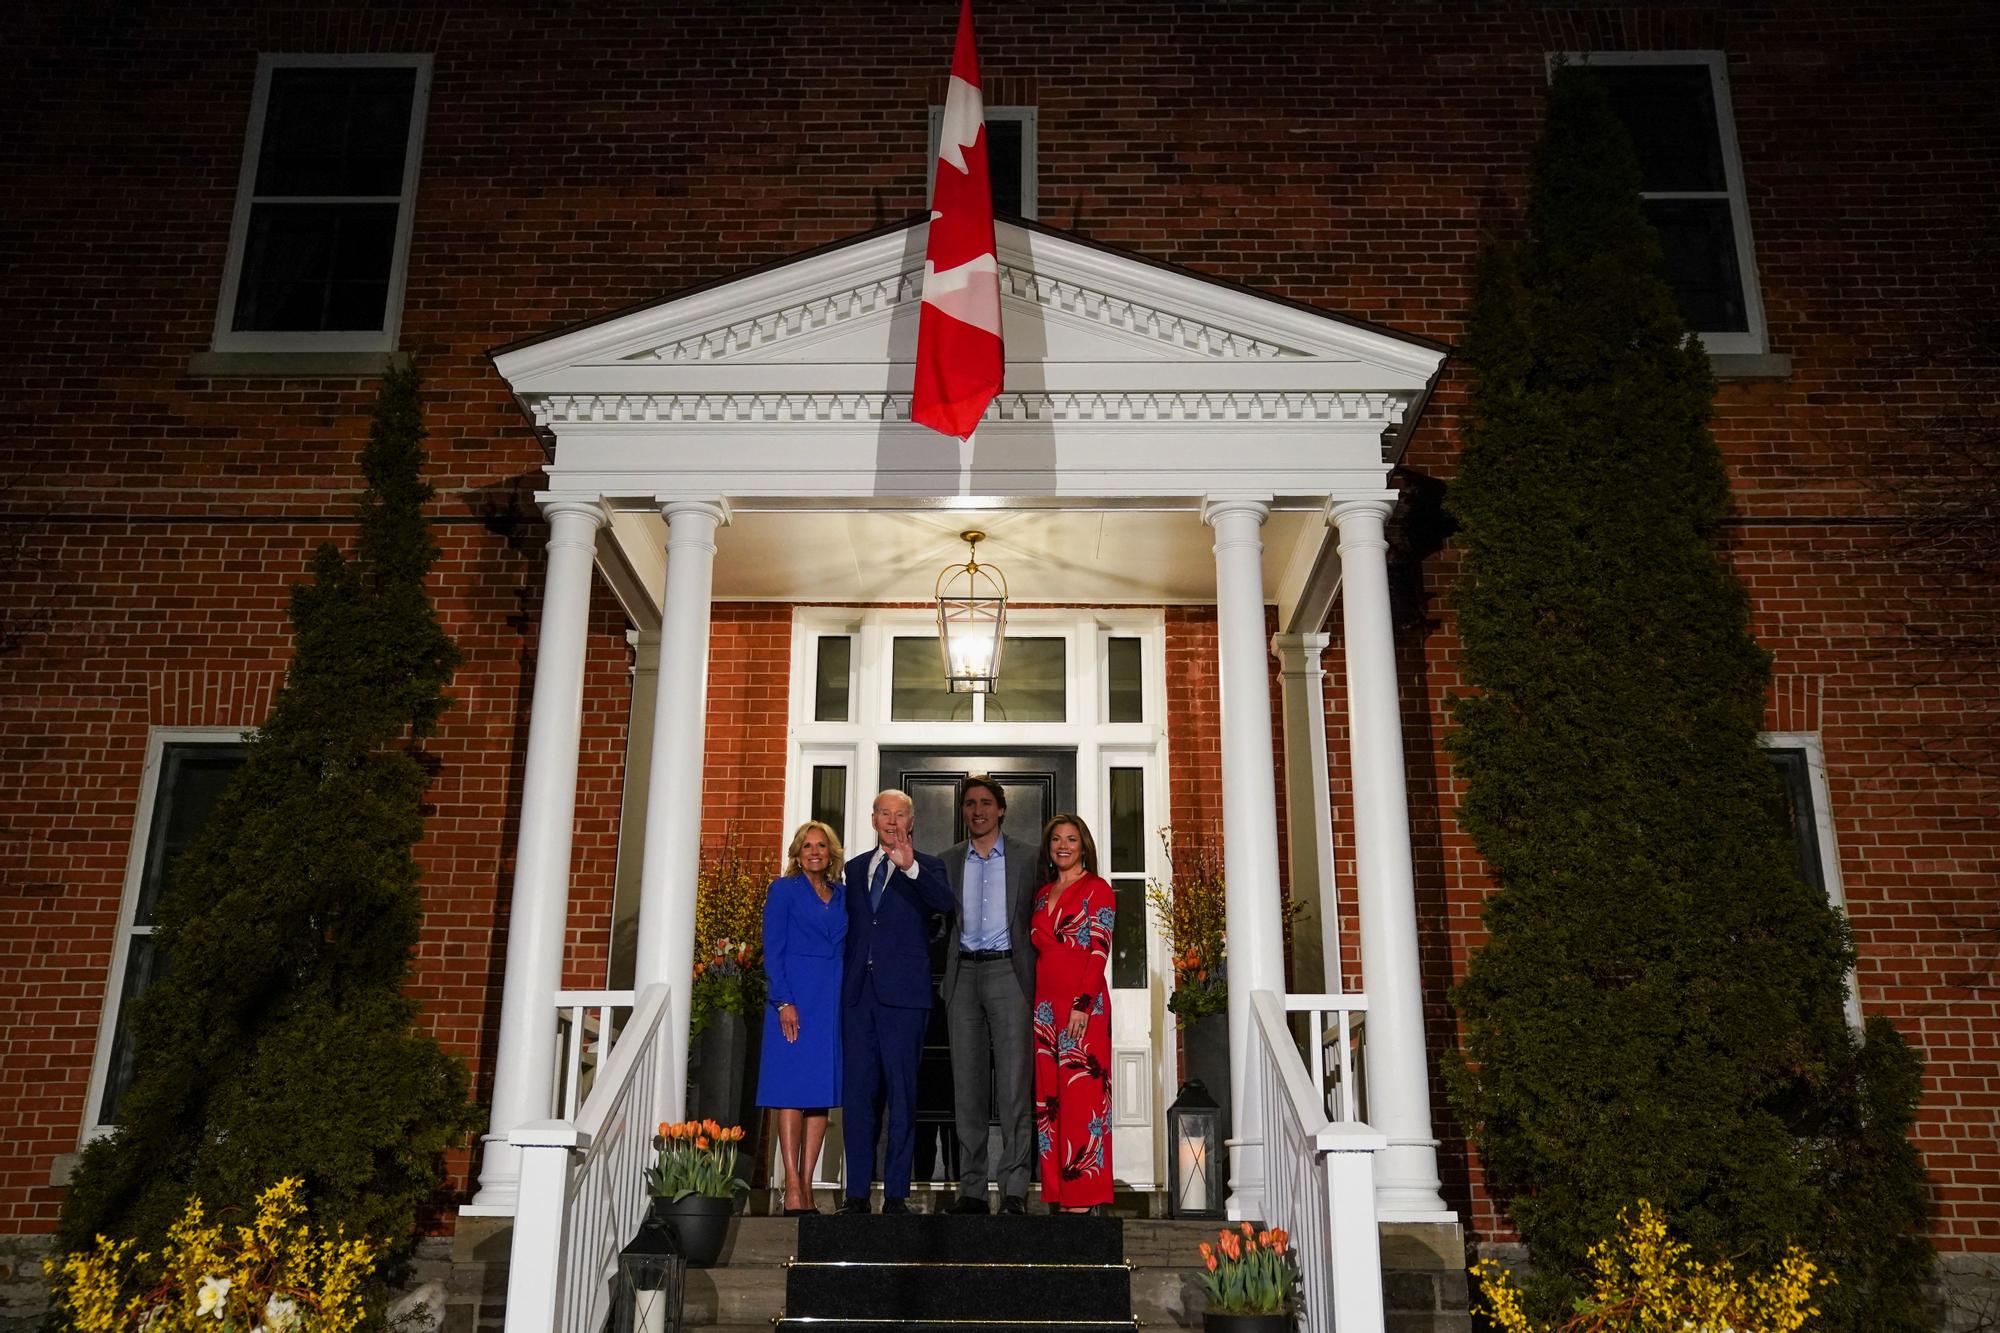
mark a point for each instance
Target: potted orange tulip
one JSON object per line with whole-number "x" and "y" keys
{"x": 694, "y": 1184}
{"x": 1252, "y": 1281}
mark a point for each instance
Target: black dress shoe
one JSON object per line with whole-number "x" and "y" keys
{"x": 851, "y": 1207}
{"x": 801, "y": 1212}
{"x": 895, "y": 1206}
{"x": 965, "y": 1207}
{"x": 1013, "y": 1206}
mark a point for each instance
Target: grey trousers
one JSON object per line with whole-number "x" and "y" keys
{"x": 992, "y": 1060}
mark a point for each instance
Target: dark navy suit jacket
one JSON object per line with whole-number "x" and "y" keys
{"x": 897, "y": 935}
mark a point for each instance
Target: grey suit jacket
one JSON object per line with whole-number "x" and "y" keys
{"x": 1022, "y": 881}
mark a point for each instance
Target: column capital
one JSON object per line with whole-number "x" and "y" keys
{"x": 1218, "y": 506}
{"x": 715, "y": 506}
{"x": 591, "y": 506}
{"x": 1299, "y": 654}
{"x": 1363, "y": 511}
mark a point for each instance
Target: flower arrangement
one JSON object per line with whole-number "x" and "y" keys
{"x": 1190, "y": 907}
{"x": 696, "y": 1157}
{"x": 1250, "y": 1272}
{"x": 728, "y": 936}
{"x": 1645, "y": 1283}
{"x": 272, "y": 1276}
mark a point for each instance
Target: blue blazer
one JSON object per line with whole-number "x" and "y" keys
{"x": 897, "y": 936}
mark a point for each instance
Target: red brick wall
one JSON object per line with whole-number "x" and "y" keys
{"x": 582, "y": 157}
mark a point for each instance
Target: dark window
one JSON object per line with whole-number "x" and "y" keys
{"x": 1003, "y": 163}
{"x": 1126, "y": 869}
{"x": 1671, "y": 113}
{"x": 1033, "y": 685}
{"x": 192, "y": 778}
{"x": 319, "y": 250}
{"x": 1126, "y": 684}
{"x": 830, "y": 675}
{"x": 829, "y": 796}
{"x": 1794, "y": 769}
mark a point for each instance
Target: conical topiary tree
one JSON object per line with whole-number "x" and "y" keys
{"x": 277, "y": 1039}
{"x": 1657, "y": 1012}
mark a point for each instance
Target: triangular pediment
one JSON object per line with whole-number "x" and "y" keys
{"x": 1076, "y": 316}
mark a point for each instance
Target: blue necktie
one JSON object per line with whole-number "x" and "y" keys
{"x": 877, "y": 883}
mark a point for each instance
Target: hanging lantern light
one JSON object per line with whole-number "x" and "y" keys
{"x": 972, "y": 621}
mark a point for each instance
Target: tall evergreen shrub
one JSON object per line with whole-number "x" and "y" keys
{"x": 277, "y": 1039}
{"x": 1657, "y": 1012}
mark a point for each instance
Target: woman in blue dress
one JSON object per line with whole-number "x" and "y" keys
{"x": 805, "y": 930}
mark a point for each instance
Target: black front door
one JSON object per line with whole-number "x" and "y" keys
{"x": 1039, "y": 783}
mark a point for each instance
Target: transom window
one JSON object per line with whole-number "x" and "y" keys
{"x": 1675, "y": 106}
{"x": 319, "y": 244}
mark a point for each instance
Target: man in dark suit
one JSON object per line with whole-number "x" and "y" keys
{"x": 892, "y": 892}
{"x": 989, "y": 988}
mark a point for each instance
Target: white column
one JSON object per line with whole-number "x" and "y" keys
{"x": 1308, "y": 808}
{"x": 632, "y": 804}
{"x": 673, "y": 806}
{"x": 1249, "y": 812}
{"x": 524, "y": 1059}
{"x": 1399, "y": 1096}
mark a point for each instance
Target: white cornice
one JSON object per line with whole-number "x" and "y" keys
{"x": 559, "y": 411}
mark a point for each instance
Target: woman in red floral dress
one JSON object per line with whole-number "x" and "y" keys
{"x": 1071, "y": 929}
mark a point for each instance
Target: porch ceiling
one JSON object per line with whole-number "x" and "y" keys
{"x": 1100, "y": 558}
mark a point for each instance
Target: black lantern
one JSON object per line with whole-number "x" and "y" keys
{"x": 652, "y": 1281}
{"x": 1194, "y": 1133}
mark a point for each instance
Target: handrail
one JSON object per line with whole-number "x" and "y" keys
{"x": 1319, "y": 1181}
{"x": 1343, "y": 1096}
{"x": 575, "y": 1215}
{"x": 587, "y": 1027}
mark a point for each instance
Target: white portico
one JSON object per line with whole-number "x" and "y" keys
{"x": 692, "y": 436}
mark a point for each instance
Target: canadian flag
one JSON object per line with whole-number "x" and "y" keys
{"x": 960, "y": 361}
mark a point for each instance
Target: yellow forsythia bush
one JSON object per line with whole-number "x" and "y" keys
{"x": 1645, "y": 1283}
{"x": 275, "y": 1276}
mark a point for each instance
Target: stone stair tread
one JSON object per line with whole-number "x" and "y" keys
{"x": 808, "y": 1324}
{"x": 1092, "y": 1293}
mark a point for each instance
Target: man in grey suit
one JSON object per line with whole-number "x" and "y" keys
{"x": 989, "y": 989}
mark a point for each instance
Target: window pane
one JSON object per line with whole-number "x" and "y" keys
{"x": 1799, "y": 807}
{"x": 1003, "y": 164}
{"x": 1127, "y": 691}
{"x": 336, "y": 131}
{"x": 192, "y": 779}
{"x": 1128, "y": 934}
{"x": 829, "y": 796}
{"x": 916, "y": 685}
{"x": 1698, "y": 242}
{"x": 836, "y": 653}
{"x": 139, "y": 960}
{"x": 316, "y": 267}
{"x": 1128, "y": 821}
{"x": 1033, "y": 681}
{"x": 1669, "y": 110}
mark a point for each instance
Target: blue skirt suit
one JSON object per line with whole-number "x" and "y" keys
{"x": 803, "y": 940}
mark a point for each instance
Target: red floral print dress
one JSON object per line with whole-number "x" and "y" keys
{"x": 1072, "y": 1076}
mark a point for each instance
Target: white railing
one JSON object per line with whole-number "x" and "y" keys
{"x": 1333, "y": 1050}
{"x": 583, "y": 1184}
{"x": 1319, "y": 1180}
{"x": 587, "y": 1026}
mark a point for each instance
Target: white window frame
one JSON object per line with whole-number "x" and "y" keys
{"x": 226, "y": 338}
{"x": 1026, "y": 115}
{"x": 1829, "y": 849}
{"x": 1755, "y": 340}
{"x": 135, "y": 871}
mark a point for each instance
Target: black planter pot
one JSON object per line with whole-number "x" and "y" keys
{"x": 1246, "y": 1323}
{"x": 720, "y": 1060}
{"x": 1205, "y": 1044}
{"x": 701, "y": 1223}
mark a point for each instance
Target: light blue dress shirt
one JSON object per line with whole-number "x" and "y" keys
{"x": 985, "y": 899}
